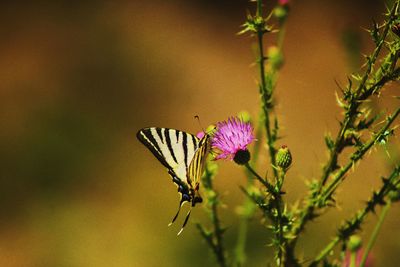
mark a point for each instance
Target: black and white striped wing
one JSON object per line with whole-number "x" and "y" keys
{"x": 196, "y": 166}
{"x": 173, "y": 148}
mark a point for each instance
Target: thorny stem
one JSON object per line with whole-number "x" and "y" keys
{"x": 277, "y": 202}
{"x": 240, "y": 254}
{"x": 330, "y": 166}
{"x": 357, "y": 156}
{"x": 265, "y": 92}
{"x": 374, "y": 235}
{"x": 241, "y": 240}
{"x": 307, "y": 213}
{"x": 354, "y": 104}
{"x": 263, "y": 181}
{"x": 375, "y": 54}
{"x": 214, "y": 239}
{"x": 339, "y": 176}
{"x": 352, "y": 225}
{"x": 210, "y": 241}
{"x": 218, "y": 235}
{"x": 280, "y": 229}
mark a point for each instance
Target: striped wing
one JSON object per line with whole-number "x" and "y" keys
{"x": 173, "y": 148}
{"x": 197, "y": 164}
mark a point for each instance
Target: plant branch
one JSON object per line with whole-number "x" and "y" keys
{"x": 266, "y": 93}
{"x": 354, "y": 98}
{"x": 357, "y": 156}
{"x": 213, "y": 238}
{"x": 375, "y": 232}
{"x": 351, "y": 226}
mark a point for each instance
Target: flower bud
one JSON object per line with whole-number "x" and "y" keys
{"x": 354, "y": 243}
{"x": 283, "y": 157}
{"x": 275, "y": 57}
{"x": 283, "y": 2}
{"x": 281, "y": 10}
{"x": 244, "y": 116}
{"x": 242, "y": 157}
{"x": 394, "y": 195}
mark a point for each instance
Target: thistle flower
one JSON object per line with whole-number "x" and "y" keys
{"x": 231, "y": 139}
{"x": 283, "y": 2}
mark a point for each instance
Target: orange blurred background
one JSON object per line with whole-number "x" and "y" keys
{"x": 79, "y": 79}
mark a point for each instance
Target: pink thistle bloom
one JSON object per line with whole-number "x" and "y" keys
{"x": 359, "y": 254}
{"x": 232, "y": 136}
{"x": 283, "y": 2}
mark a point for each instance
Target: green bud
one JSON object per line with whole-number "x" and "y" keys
{"x": 354, "y": 243}
{"x": 275, "y": 57}
{"x": 280, "y": 12}
{"x": 244, "y": 116}
{"x": 283, "y": 157}
{"x": 394, "y": 195}
{"x": 258, "y": 20}
{"x": 242, "y": 157}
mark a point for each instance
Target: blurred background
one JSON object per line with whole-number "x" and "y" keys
{"x": 77, "y": 81}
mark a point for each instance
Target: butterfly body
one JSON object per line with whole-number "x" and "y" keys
{"x": 183, "y": 155}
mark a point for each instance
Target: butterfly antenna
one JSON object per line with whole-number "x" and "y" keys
{"x": 186, "y": 220}
{"x": 177, "y": 213}
{"x": 198, "y": 120}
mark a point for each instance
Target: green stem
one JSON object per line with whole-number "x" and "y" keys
{"x": 220, "y": 251}
{"x": 240, "y": 255}
{"x": 325, "y": 251}
{"x": 357, "y": 156}
{"x": 215, "y": 238}
{"x": 355, "y": 223}
{"x": 339, "y": 176}
{"x": 282, "y": 243}
{"x": 377, "y": 50}
{"x": 240, "y": 248}
{"x": 266, "y": 94}
{"x": 277, "y": 200}
{"x": 263, "y": 181}
{"x": 353, "y": 257}
{"x": 374, "y": 235}
{"x": 281, "y": 35}
{"x": 358, "y": 96}
{"x": 329, "y": 167}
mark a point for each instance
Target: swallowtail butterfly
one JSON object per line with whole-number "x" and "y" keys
{"x": 184, "y": 156}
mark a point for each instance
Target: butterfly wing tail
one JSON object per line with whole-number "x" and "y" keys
{"x": 177, "y": 213}
{"x": 186, "y": 220}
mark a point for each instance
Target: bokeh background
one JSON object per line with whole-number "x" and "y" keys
{"x": 78, "y": 79}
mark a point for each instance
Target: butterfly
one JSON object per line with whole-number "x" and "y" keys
{"x": 184, "y": 155}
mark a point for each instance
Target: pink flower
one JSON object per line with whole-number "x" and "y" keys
{"x": 233, "y": 136}
{"x": 359, "y": 254}
{"x": 283, "y": 2}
